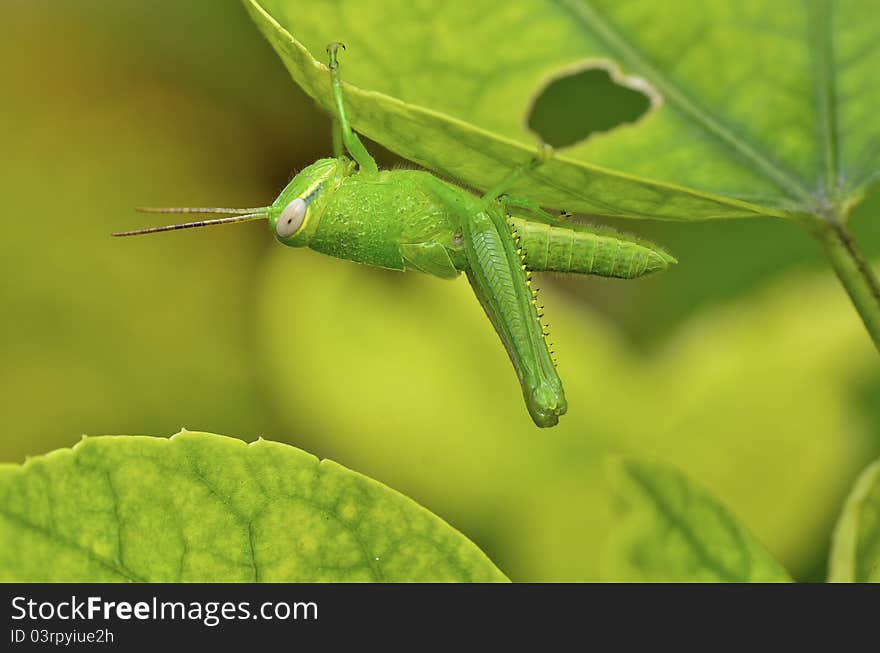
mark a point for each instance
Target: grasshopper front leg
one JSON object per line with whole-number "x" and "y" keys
{"x": 500, "y": 281}
{"x": 342, "y": 130}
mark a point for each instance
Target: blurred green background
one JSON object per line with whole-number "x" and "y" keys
{"x": 745, "y": 366}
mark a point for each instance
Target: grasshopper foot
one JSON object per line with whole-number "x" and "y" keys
{"x": 332, "y": 49}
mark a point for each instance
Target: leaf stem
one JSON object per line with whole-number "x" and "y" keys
{"x": 854, "y": 272}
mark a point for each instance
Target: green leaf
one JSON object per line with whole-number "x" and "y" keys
{"x": 855, "y": 552}
{"x": 670, "y": 530}
{"x": 206, "y": 508}
{"x": 758, "y": 109}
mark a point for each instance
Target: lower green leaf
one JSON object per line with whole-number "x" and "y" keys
{"x": 670, "y": 530}
{"x": 205, "y": 508}
{"x": 855, "y": 550}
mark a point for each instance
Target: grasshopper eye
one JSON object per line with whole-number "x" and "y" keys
{"x": 291, "y": 218}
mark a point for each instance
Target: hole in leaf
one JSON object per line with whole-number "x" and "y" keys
{"x": 572, "y": 107}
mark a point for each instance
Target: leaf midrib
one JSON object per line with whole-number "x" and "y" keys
{"x": 696, "y": 546}
{"x": 819, "y": 17}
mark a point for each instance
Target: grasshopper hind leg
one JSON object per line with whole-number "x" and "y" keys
{"x": 498, "y": 275}
{"x": 500, "y": 282}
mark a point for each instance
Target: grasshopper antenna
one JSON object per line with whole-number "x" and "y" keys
{"x": 238, "y": 215}
{"x": 198, "y": 209}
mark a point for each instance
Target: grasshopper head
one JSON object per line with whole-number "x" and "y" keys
{"x": 294, "y": 216}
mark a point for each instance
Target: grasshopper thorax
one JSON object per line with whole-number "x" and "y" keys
{"x": 295, "y": 214}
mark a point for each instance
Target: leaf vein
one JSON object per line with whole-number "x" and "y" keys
{"x": 56, "y": 538}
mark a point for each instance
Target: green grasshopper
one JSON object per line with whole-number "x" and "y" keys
{"x": 412, "y": 220}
